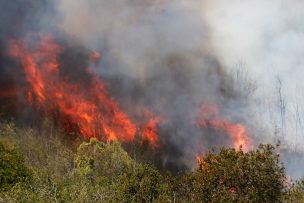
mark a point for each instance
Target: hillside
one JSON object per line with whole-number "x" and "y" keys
{"x": 41, "y": 165}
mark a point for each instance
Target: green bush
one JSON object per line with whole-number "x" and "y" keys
{"x": 144, "y": 184}
{"x": 295, "y": 192}
{"x": 93, "y": 171}
{"x": 102, "y": 159}
{"x": 12, "y": 167}
{"x": 236, "y": 176}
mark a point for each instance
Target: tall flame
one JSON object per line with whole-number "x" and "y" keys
{"x": 86, "y": 106}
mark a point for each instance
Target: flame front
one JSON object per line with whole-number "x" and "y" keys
{"x": 85, "y": 107}
{"x": 149, "y": 130}
{"x": 210, "y": 117}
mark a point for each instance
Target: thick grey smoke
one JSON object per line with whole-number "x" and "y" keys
{"x": 170, "y": 47}
{"x": 170, "y": 55}
{"x": 137, "y": 35}
{"x": 162, "y": 56}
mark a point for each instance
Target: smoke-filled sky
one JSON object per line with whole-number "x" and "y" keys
{"x": 267, "y": 36}
{"x": 264, "y": 39}
{"x": 171, "y": 55}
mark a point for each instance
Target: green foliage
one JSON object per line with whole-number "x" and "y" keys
{"x": 12, "y": 167}
{"x": 236, "y": 176}
{"x": 180, "y": 187}
{"x": 142, "y": 185}
{"x": 295, "y": 192}
{"x": 103, "y": 159}
{"x": 114, "y": 175}
{"x": 93, "y": 171}
{"x": 49, "y": 159}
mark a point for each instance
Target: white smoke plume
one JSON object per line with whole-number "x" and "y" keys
{"x": 268, "y": 37}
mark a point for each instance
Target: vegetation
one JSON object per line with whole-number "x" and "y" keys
{"x": 42, "y": 165}
{"x": 295, "y": 192}
{"x": 12, "y": 167}
{"x": 235, "y": 176}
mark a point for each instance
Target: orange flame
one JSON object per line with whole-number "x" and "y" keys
{"x": 198, "y": 158}
{"x": 89, "y": 107}
{"x": 210, "y": 117}
{"x": 149, "y": 130}
{"x": 202, "y": 164}
{"x": 94, "y": 56}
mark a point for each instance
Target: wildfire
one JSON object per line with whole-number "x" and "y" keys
{"x": 82, "y": 106}
{"x": 149, "y": 130}
{"x": 198, "y": 158}
{"x": 210, "y": 118}
{"x": 7, "y": 93}
{"x": 203, "y": 165}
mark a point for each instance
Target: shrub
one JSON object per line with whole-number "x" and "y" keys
{"x": 12, "y": 167}
{"x": 103, "y": 159}
{"x": 144, "y": 184}
{"x": 295, "y": 192}
{"x": 236, "y": 176}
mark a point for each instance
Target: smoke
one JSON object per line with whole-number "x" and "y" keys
{"x": 172, "y": 55}
{"x": 171, "y": 47}
{"x": 17, "y": 19}
{"x": 157, "y": 54}
{"x": 268, "y": 37}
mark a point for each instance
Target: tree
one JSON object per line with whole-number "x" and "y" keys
{"x": 103, "y": 159}
{"x": 295, "y": 192}
{"x": 236, "y": 176}
{"x": 12, "y": 167}
{"x": 104, "y": 172}
{"x": 144, "y": 184}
